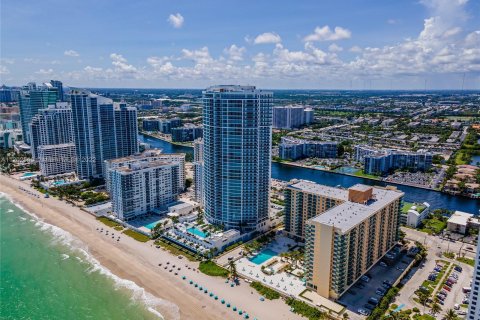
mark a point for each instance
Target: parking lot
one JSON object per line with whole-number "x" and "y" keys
{"x": 358, "y": 295}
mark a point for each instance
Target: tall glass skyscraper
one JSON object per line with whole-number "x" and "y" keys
{"x": 102, "y": 131}
{"x": 237, "y": 124}
{"x": 32, "y": 100}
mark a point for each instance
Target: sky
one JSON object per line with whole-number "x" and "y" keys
{"x": 303, "y": 44}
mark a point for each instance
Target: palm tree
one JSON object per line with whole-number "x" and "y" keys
{"x": 435, "y": 308}
{"x": 232, "y": 268}
{"x": 423, "y": 298}
{"x": 451, "y": 315}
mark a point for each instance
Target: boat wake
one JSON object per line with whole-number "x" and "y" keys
{"x": 63, "y": 237}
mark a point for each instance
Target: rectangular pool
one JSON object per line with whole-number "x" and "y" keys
{"x": 197, "y": 232}
{"x": 263, "y": 256}
{"x": 151, "y": 225}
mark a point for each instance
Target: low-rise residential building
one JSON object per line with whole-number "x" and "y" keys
{"x": 57, "y": 159}
{"x": 414, "y": 216}
{"x": 294, "y": 149}
{"x": 460, "y": 222}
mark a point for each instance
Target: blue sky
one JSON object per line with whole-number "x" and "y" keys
{"x": 378, "y": 44}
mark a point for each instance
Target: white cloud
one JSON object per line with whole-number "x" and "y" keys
{"x": 71, "y": 53}
{"x": 334, "y": 48}
{"x": 4, "y": 70}
{"x": 44, "y": 72}
{"x": 326, "y": 34}
{"x": 355, "y": 49}
{"x": 392, "y": 21}
{"x": 267, "y": 37}
{"x": 235, "y": 53}
{"x": 176, "y": 20}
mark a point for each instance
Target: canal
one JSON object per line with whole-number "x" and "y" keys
{"x": 285, "y": 172}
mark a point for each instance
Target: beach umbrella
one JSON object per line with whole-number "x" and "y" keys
{"x": 228, "y": 305}
{"x": 223, "y": 301}
{"x": 184, "y": 277}
{"x": 231, "y": 285}
{"x": 234, "y": 309}
{"x": 196, "y": 285}
{"x": 211, "y": 294}
{"x": 262, "y": 299}
{"x": 216, "y": 297}
{"x": 246, "y": 316}
{"x": 240, "y": 312}
{"x": 206, "y": 291}
{"x": 191, "y": 282}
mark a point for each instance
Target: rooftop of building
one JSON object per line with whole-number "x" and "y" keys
{"x": 460, "y": 218}
{"x": 235, "y": 89}
{"x": 319, "y": 189}
{"x": 142, "y": 166}
{"x": 292, "y": 140}
{"x": 347, "y": 214}
{"x": 150, "y": 153}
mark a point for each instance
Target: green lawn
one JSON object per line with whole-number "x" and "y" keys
{"x": 433, "y": 226}
{"x": 265, "y": 291}
{"x": 175, "y": 249}
{"x": 108, "y": 222}
{"x": 210, "y": 268}
{"x": 468, "y": 261}
{"x": 135, "y": 235}
{"x": 360, "y": 173}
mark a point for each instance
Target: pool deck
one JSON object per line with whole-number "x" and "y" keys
{"x": 282, "y": 282}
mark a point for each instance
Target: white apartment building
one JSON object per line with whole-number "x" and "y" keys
{"x": 57, "y": 159}
{"x": 141, "y": 187}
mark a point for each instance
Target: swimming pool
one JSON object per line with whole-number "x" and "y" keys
{"x": 151, "y": 225}
{"x": 59, "y": 182}
{"x": 197, "y": 232}
{"x": 29, "y": 174}
{"x": 263, "y": 256}
{"x": 350, "y": 170}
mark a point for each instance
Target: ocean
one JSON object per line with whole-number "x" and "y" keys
{"x": 46, "y": 274}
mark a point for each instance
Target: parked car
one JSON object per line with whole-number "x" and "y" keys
{"x": 365, "y": 279}
{"x": 373, "y": 301}
{"x": 364, "y": 312}
{"x": 369, "y": 306}
{"x": 447, "y": 288}
{"x": 456, "y": 306}
{"x": 458, "y": 269}
{"x": 383, "y": 264}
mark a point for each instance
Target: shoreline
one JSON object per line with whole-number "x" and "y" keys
{"x": 293, "y": 164}
{"x": 134, "y": 261}
{"x": 163, "y": 139}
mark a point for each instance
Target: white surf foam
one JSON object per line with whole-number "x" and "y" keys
{"x": 65, "y": 238}
{"x": 10, "y": 210}
{"x": 65, "y": 256}
{"x": 22, "y": 218}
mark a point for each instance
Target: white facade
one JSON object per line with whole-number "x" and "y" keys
{"x": 198, "y": 170}
{"x": 57, "y": 159}
{"x": 415, "y": 216}
{"x": 138, "y": 188}
{"x": 9, "y": 137}
{"x": 151, "y": 155}
{"x": 460, "y": 221}
{"x": 474, "y": 307}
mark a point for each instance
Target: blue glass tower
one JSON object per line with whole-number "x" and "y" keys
{"x": 237, "y": 124}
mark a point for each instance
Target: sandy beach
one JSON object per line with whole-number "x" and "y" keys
{"x": 138, "y": 262}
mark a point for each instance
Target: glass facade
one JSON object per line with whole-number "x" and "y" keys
{"x": 237, "y": 123}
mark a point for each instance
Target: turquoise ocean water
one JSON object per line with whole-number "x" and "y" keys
{"x": 45, "y": 274}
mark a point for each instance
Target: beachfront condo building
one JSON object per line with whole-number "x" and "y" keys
{"x": 32, "y": 99}
{"x": 237, "y": 134}
{"x": 50, "y": 126}
{"x": 473, "y": 305}
{"x": 102, "y": 131}
{"x": 305, "y": 200}
{"x": 290, "y": 117}
{"x": 141, "y": 187}
{"x": 153, "y": 155}
{"x": 344, "y": 241}
{"x": 57, "y": 159}
{"x": 198, "y": 170}
{"x": 294, "y": 149}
